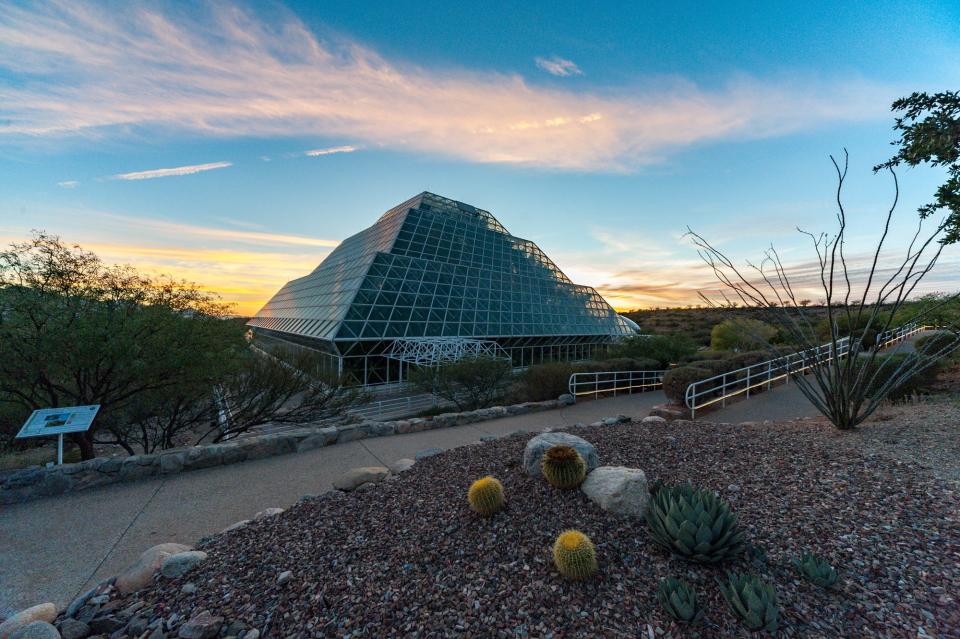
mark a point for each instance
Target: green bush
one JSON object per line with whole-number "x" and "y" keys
{"x": 694, "y": 523}
{"x": 885, "y": 367}
{"x": 676, "y": 381}
{"x": 469, "y": 383}
{"x": 545, "y": 381}
{"x": 935, "y": 342}
{"x": 631, "y": 364}
{"x": 664, "y": 349}
{"x": 741, "y": 333}
{"x": 705, "y": 356}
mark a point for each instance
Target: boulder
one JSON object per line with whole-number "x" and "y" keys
{"x": 618, "y": 489}
{"x": 653, "y": 419}
{"x": 202, "y": 625}
{"x": 356, "y": 476}
{"x": 36, "y": 630}
{"x": 181, "y": 563}
{"x": 429, "y": 452}
{"x": 44, "y": 612}
{"x": 670, "y": 412}
{"x": 402, "y": 465}
{"x": 537, "y": 446}
{"x": 73, "y": 629}
{"x": 235, "y": 525}
{"x": 139, "y": 575}
{"x": 566, "y": 399}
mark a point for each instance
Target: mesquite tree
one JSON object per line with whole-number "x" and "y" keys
{"x": 845, "y": 389}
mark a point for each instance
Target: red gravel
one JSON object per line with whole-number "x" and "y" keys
{"x": 409, "y": 558}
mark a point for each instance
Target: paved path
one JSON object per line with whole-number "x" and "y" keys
{"x": 53, "y": 549}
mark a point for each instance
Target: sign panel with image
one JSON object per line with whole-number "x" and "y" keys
{"x": 56, "y": 421}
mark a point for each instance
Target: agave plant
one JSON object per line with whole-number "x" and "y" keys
{"x": 694, "y": 523}
{"x": 816, "y": 570}
{"x": 752, "y": 600}
{"x": 680, "y": 600}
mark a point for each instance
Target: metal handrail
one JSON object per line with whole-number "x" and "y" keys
{"x": 614, "y": 382}
{"x": 742, "y": 380}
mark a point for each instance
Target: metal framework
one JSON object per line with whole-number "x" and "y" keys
{"x": 434, "y": 268}
{"x": 613, "y": 382}
{"x": 430, "y": 351}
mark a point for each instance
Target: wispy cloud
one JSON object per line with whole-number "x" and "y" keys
{"x": 177, "y": 170}
{"x": 334, "y": 149}
{"x": 68, "y": 184}
{"x": 100, "y": 70}
{"x": 558, "y": 66}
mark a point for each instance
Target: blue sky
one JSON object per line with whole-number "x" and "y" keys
{"x": 235, "y": 144}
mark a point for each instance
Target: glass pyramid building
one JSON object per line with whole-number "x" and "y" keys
{"x": 433, "y": 269}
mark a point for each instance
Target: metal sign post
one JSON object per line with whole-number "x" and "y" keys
{"x": 58, "y": 421}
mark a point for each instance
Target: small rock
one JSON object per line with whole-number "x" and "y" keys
{"x": 488, "y": 438}
{"x": 234, "y": 526}
{"x": 402, "y": 465}
{"x": 44, "y": 612}
{"x": 202, "y": 625}
{"x": 189, "y": 589}
{"x": 653, "y": 419}
{"x": 567, "y": 398}
{"x": 105, "y": 625}
{"x": 364, "y": 487}
{"x": 733, "y": 488}
{"x": 139, "y": 575}
{"x": 137, "y": 626}
{"x": 181, "y": 563}
{"x": 73, "y": 629}
{"x": 252, "y": 634}
{"x": 267, "y": 512}
{"x": 356, "y": 476}
{"x": 284, "y": 577}
{"x": 429, "y": 452}
{"x": 36, "y": 630}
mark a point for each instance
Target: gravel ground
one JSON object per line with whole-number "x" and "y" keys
{"x": 408, "y": 558}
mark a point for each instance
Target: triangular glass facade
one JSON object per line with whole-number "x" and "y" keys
{"x": 434, "y": 267}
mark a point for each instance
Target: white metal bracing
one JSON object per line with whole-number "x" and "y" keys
{"x": 430, "y": 351}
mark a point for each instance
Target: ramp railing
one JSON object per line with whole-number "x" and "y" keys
{"x": 614, "y": 382}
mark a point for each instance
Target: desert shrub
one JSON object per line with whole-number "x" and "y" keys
{"x": 853, "y": 326}
{"x": 752, "y": 600}
{"x": 747, "y": 358}
{"x": 816, "y": 570}
{"x": 705, "y": 356}
{"x": 694, "y": 523}
{"x": 485, "y": 496}
{"x": 679, "y": 600}
{"x": 563, "y": 467}
{"x": 741, "y": 333}
{"x": 574, "y": 555}
{"x": 469, "y": 383}
{"x": 665, "y": 349}
{"x": 935, "y": 342}
{"x": 676, "y": 381}
{"x": 545, "y": 381}
{"x": 885, "y": 367}
{"x": 631, "y": 364}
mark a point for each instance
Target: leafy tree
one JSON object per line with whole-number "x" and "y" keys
{"x": 929, "y": 130}
{"x": 468, "y": 383}
{"x": 741, "y": 334}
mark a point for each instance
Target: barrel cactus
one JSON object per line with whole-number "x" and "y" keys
{"x": 752, "y": 600}
{"x": 563, "y": 467}
{"x": 816, "y": 570}
{"x": 574, "y": 556}
{"x": 694, "y": 523}
{"x": 680, "y": 600}
{"x": 486, "y": 496}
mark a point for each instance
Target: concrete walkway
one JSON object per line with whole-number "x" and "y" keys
{"x": 53, "y": 549}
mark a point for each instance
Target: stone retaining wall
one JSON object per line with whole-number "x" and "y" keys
{"x": 31, "y": 483}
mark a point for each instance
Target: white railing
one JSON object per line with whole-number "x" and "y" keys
{"x": 719, "y": 388}
{"x": 614, "y": 382}
{"x": 396, "y": 406}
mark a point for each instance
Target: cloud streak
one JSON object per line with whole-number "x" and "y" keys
{"x": 332, "y": 150}
{"x": 68, "y": 184}
{"x": 558, "y": 66}
{"x": 97, "y": 70}
{"x": 172, "y": 172}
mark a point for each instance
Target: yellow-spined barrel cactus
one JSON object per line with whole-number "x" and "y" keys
{"x": 680, "y": 600}
{"x": 486, "y": 496}
{"x": 694, "y": 523}
{"x": 574, "y": 556}
{"x": 563, "y": 467}
{"x": 753, "y": 601}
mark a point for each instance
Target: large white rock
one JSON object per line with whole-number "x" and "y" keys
{"x": 536, "y": 447}
{"x": 356, "y": 476}
{"x": 140, "y": 574}
{"x": 36, "y": 630}
{"x": 44, "y": 612}
{"x": 618, "y": 489}
{"x": 181, "y": 563}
